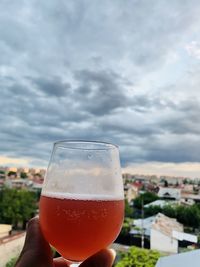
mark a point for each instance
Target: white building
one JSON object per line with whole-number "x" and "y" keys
{"x": 130, "y": 192}
{"x": 160, "y": 202}
{"x": 169, "y": 193}
{"x": 142, "y": 223}
{"x": 161, "y": 235}
{"x": 5, "y": 230}
{"x": 190, "y": 198}
{"x": 164, "y": 232}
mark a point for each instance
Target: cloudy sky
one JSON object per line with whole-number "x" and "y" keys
{"x": 125, "y": 72}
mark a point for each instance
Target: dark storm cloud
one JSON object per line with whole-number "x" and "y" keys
{"x": 52, "y": 86}
{"x": 100, "y": 92}
{"x": 174, "y": 148}
{"x": 32, "y": 122}
{"x": 185, "y": 118}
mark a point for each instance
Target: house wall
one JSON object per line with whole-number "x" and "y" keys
{"x": 11, "y": 248}
{"x": 5, "y": 230}
{"x": 162, "y": 242}
{"x": 131, "y": 194}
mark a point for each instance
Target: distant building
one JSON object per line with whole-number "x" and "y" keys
{"x": 171, "y": 180}
{"x": 169, "y": 193}
{"x": 17, "y": 183}
{"x": 161, "y": 203}
{"x": 143, "y": 223}
{"x": 187, "y": 202}
{"x": 2, "y": 174}
{"x": 185, "y": 197}
{"x": 188, "y": 188}
{"x": 37, "y": 187}
{"x": 164, "y": 232}
{"x": 130, "y": 192}
{"x": 5, "y": 230}
{"x": 127, "y": 176}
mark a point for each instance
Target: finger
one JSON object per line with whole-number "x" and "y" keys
{"x": 60, "y": 262}
{"x": 35, "y": 240}
{"x": 103, "y": 258}
{"x": 36, "y": 249}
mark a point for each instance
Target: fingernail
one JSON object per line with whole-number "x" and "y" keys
{"x": 113, "y": 252}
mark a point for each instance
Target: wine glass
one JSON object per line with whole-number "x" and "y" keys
{"x": 82, "y": 200}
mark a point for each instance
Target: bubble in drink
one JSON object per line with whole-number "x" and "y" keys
{"x": 78, "y": 228}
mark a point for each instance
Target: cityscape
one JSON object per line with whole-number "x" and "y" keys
{"x": 162, "y": 214}
{"x": 120, "y": 75}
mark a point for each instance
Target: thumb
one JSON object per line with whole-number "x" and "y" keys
{"x": 36, "y": 250}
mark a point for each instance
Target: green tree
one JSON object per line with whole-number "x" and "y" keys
{"x": 152, "y": 210}
{"x": 169, "y": 211}
{"x": 17, "y": 206}
{"x": 189, "y": 216}
{"x": 128, "y": 222}
{"x": 147, "y": 197}
{"x": 23, "y": 175}
{"x": 128, "y": 209}
{"x": 137, "y": 257}
{"x": 12, "y": 173}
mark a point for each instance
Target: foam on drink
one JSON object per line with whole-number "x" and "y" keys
{"x": 82, "y": 196}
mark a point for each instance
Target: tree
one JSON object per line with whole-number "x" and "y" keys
{"x": 147, "y": 197}
{"x": 17, "y": 206}
{"x": 152, "y": 210}
{"x": 128, "y": 209}
{"x": 137, "y": 257}
{"x": 23, "y": 175}
{"x": 12, "y": 173}
{"x": 169, "y": 211}
{"x": 126, "y": 226}
{"x": 189, "y": 216}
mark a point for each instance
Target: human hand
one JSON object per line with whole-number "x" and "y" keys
{"x": 37, "y": 252}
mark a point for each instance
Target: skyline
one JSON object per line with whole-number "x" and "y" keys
{"x": 125, "y": 73}
{"x": 190, "y": 170}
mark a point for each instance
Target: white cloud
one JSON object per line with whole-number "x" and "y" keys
{"x": 4, "y": 161}
{"x": 193, "y": 49}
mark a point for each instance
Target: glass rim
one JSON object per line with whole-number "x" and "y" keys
{"x": 84, "y": 144}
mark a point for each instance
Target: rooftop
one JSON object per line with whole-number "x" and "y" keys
{"x": 166, "y": 225}
{"x": 185, "y": 259}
